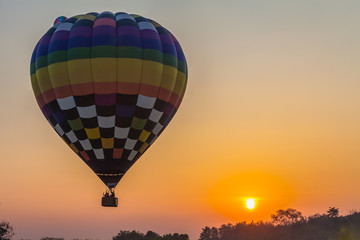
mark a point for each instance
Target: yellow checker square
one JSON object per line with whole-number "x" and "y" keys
{"x": 129, "y": 70}
{"x": 104, "y": 69}
{"x": 74, "y": 148}
{"x": 93, "y": 133}
{"x": 58, "y": 74}
{"x": 152, "y": 73}
{"x": 79, "y": 71}
{"x": 107, "y": 143}
{"x": 144, "y": 135}
{"x": 143, "y": 147}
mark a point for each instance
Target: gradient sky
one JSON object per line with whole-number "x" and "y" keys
{"x": 271, "y": 112}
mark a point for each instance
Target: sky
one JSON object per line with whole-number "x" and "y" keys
{"x": 271, "y": 112}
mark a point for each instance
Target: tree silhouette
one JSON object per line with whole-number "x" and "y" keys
{"x": 175, "y": 236}
{"x": 6, "y": 230}
{"x": 150, "y": 235}
{"x": 287, "y": 217}
{"x": 225, "y": 232}
{"x": 205, "y": 234}
{"x": 127, "y": 235}
{"x": 214, "y": 234}
{"x": 333, "y": 212}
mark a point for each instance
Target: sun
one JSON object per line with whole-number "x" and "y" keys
{"x": 250, "y": 203}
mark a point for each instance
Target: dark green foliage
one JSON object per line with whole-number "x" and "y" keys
{"x": 291, "y": 224}
{"x": 134, "y": 235}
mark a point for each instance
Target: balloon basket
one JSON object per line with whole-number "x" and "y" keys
{"x": 109, "y": 202}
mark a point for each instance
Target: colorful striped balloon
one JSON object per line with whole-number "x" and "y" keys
{"x": 108, "y": 84}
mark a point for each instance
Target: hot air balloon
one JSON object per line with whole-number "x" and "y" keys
{"x": 109, "y": 84}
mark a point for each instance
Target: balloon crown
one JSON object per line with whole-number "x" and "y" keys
{"x": 60, "y": 19}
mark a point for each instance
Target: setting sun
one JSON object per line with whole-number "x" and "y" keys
{"x": 250, "y": 203}
{"x": 230, "y": 196}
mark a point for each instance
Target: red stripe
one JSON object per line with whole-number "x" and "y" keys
{"x": 164, "y": 94}
{"x": 82, "y": 89}
{"x": 108, "y": 88}
{"x": 63, "y": 92}
{"x": 128, "y": 88}
{"x": 104, "y": 88}
{"x": 85, "y": 155}
{"x": 174, "y": 99}
{"x": 49, "y": 95}
{"x": 40, "y": 100}
{"x": 148, "y": 90}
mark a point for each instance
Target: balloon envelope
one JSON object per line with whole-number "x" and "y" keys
{"x": 108, "y": 84}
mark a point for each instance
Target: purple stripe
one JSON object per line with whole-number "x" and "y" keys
{"x": 166, "y": 39}
{"x": 131, "y": 35}
{"x": 46, "y": 38}
{"x": 168, "y": 44}
{"x": 60, "y": 35}
{"x": 169, "y": 109}
{"x": 105, "y": 99}
{"x": 44, "y": 41}
{"x": 33, "y": 56}
{"x": 169, "y": 49}
{"x": 104, "y": 30}
{"x": 43, "y": 46}
{"x": 128, "y": 30}
{"x": 128, "y": 40}
{"x": 125, "y": 111}
{"x": 177, "y": 44}
{"x": 147, "y": 33}
{"x": 180, "y": 53}
{"x": 81, "y": 32}
{"x": 46, "y": 111}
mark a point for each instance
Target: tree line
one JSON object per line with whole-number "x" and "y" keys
{"x": 289, "y": 224}
{"x": 7, "y": 232}
{"x": 150, "y": 235}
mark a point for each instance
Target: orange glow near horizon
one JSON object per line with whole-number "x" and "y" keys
{"x": 272, "y": 194}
